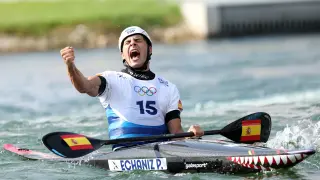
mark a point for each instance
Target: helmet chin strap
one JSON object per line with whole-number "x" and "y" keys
{"x": 144, "y": 67}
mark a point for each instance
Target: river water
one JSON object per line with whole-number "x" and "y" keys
{"x": 219, "y": 80}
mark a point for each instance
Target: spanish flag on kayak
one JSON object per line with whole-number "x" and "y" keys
{"x": 251, "y": 130}
{"x": 77, "y": 142}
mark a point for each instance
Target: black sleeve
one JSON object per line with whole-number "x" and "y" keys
{"x": 103, "y": 85}
{"x": 172, "y": 115}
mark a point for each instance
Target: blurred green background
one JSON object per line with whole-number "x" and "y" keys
{"x": 37, "y": 18}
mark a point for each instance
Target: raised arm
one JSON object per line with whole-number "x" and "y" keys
{"x": 88, "y": 85}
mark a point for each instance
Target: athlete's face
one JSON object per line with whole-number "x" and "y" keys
{"x": 134, "y": 50}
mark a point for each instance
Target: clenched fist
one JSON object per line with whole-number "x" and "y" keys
{"x": 196, "y": 129}
{"x": 67, "y": 54}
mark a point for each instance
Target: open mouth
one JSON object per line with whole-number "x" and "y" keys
{"x": 134, "y": 54}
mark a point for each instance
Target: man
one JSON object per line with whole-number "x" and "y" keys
{"x": 137, "y": 102}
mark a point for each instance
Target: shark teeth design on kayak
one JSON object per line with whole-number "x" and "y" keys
{"x": 268, "y": 162}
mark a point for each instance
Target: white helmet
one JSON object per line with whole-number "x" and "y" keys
{"x": 131, "y": 31}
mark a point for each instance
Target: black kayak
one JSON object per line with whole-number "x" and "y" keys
{"x": 189, "y": 155}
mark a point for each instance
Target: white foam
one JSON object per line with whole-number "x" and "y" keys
{"x": 304, "y": 134}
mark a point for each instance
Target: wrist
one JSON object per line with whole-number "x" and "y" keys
{"x": 70, "y": 64}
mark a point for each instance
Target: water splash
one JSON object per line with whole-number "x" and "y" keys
{"x": 304, "y": 134}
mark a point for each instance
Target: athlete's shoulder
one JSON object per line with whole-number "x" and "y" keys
{"x": 106, "y": 73}
{"x": 174, "y": 95}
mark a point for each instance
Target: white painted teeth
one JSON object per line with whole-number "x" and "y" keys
{"x": 266, "y": 162}
{"x": 298, "y": 156}
{"x": 241, "y": 159}
{"x": 255, "y": 159}
{"x": 293, "y": 158}
{"x": 262, "y": 159}
{"x": 270, "y": 159}
{"x": 246, "y": 160}
{"x": 284, "y": 159}
{"x": 277, "y": 159}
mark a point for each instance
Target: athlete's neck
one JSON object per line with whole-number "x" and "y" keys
{"x": 142, "y": 75}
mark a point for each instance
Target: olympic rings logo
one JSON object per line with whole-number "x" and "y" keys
{"x": 145, "y": 90}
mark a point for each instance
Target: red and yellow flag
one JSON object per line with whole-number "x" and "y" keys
{"x": 180, "y": 105}
{"x": 251, "y": 130}
{"x": 77, "y": 142}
